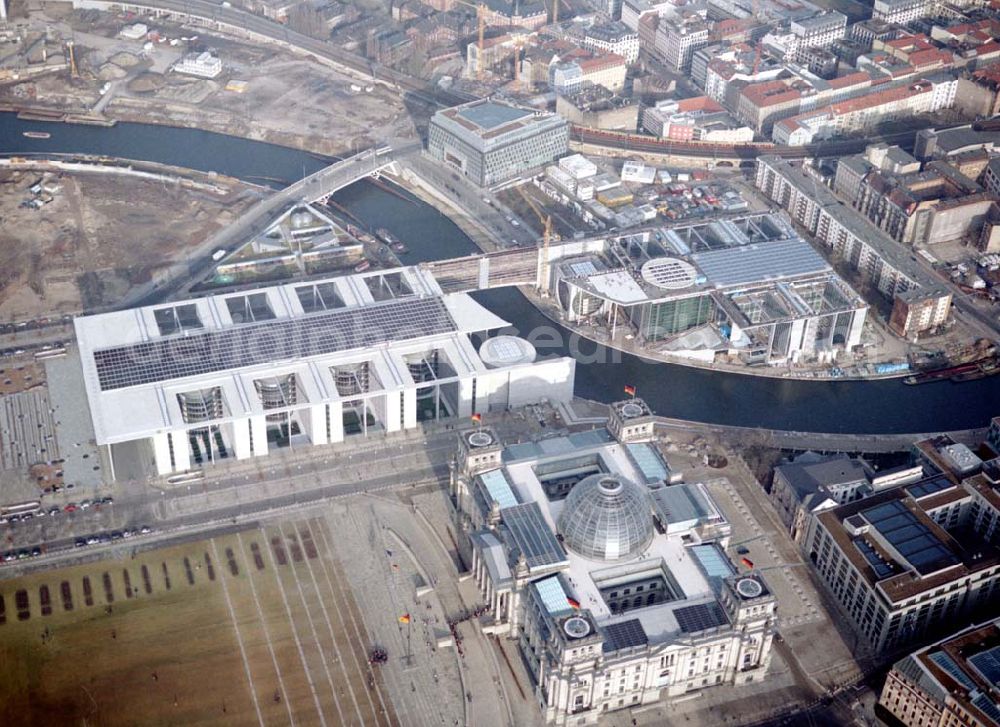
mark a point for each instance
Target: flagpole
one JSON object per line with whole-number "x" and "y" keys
{"x": 409, "y": 652}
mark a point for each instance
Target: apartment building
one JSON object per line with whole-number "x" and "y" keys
{"x": 904, "y": 562}
{"x": 880, "y": 259}
{"x": 864, "y": 113}
{"x": 607, "y": 70}
{"x": 901, "y": 12}
{"x": 919, "y": 310}
{"x": 954, "y": 681}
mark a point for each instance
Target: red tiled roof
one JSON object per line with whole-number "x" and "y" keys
{"x": 698, "y": 103}
{"x": 770, "y": 93}
{"x": 859, "y": 78}
{"x": 882, "y": 97}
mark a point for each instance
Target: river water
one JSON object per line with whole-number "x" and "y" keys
{"x": 672, "y": 390}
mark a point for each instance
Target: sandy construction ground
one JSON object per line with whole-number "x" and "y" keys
{"x": 87, "y": 246}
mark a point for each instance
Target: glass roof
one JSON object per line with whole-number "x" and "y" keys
{"x": 553, "y": 596}
{"x": 495, "y": 482}
{"x": 648, "y": 461}
{"x": 607, "y": 518}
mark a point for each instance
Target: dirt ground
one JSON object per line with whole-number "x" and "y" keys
{"x": 251, "y": 628}
{"x": 85, "y": 248}
{"x": 263, "y": 93}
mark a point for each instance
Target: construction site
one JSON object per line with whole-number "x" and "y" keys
{"x": 102, "y": 67}
{"x": 68, "y": 244}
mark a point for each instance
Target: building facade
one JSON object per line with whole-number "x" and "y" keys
{"x": 491, "y": 141}
{"x": 954, "y": 681}
{"x": 905, "y": 562}
{"x": 181, "y": 385}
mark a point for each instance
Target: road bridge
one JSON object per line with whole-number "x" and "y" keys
{"x": 318, "y": 186}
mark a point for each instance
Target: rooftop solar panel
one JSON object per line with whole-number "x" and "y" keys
{"x": 881, "y": 568}
{"x": 948, "y": 665}
{"x": 699, "y": 617}
{"x": 532, "y": 535}
{"x": 929, "y": 487}
{"x": 624, "y": 635}
{"x": 266, "y": 342}
{"x": 987, "y": 663}
{"x": 988, "y": 707}
{"x": 910, "y": 537}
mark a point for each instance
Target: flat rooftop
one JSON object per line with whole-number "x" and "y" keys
{"x": 491, "y": 115}
{"x": 137, "y": 362}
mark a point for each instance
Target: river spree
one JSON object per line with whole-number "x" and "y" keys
{"x": 672, "y": 390}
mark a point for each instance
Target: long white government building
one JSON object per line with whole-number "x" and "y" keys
{"x": 236, "y": 374}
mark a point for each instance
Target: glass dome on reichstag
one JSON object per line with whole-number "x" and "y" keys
{"x": 606, "y": 517}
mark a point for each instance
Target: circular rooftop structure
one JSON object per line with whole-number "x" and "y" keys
{"x": 669, "y": 273}
{"x": 576, "y": 627}
{"x": 749, "y": 588}
{"x": 606, "y": 517}
{"x": 480, "y": 439}
{"x": 506, "y": 351}
{"x": 631, "y": 410}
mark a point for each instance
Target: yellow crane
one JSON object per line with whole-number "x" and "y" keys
{"x": 546, "y": 220}
{"x": 481, "y": 9}
{"x": 73, "y": 73}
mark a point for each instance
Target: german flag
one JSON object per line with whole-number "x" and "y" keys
{"x": 629, "y": 389}
{"x": 477, "y": 418}
{"x": 573, "y": 603}
{"x": 405, "y": 618}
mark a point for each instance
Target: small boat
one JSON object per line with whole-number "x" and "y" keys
{"x": 362, "y": 266}
{"x": 37, "y": 134}
{"x": 399, "y": 247}
{"x": 391, "y": 240}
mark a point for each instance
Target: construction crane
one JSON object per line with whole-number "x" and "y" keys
{"x": 546, "y": 220}
{"x": 481, "y": 9}
{"x": 73, "y": 73}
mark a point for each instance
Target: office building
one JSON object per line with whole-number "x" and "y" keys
{"x": 750, "y": 287}
{"x": 614, "y": 37}
{"x": 234, "y": 375}
{"x": 614, "y": 583}
{"x": 694, "y": 119}
{"x": 901, "y": 12}
{"x": 676, "y": 41}
{"x": 810, "y": 484}
{"x": 203, "y": 65}
{"x": 819, "y": 31}
{"x": 955, "y": 681}
{"x": 599, "y": 108}
{"x": 492, "y": 141}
